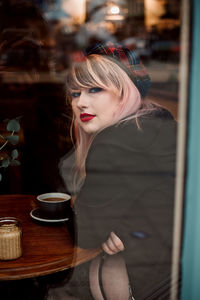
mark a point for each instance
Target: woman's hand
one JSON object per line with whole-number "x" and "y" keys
{"x": 113, "y": 244}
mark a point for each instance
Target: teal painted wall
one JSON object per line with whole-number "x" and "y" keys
{"x": 191, "y": 239}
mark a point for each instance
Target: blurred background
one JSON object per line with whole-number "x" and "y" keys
{"x": 38, "y": 39}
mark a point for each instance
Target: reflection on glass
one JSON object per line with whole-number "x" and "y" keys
{"x": 39, "y": 41}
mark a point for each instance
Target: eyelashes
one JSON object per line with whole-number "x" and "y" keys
{"x": 95, "y": 90}
{"x": 75, "y": 94}
{"x": 92, "y": 90}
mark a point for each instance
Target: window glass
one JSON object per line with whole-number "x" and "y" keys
{"x": 39, "y": 41}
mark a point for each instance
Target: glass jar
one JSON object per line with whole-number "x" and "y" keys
{"x": 10, "y": 238}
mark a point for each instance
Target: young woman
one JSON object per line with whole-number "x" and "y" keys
{"x": 124, "y": 172}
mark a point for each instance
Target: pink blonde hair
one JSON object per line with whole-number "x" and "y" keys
{"x": 98, "y": 71}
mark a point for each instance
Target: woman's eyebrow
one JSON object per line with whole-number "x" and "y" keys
{"x": 74, "y": 89}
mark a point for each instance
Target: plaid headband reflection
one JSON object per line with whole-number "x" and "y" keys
{"x": 127, "y": 60}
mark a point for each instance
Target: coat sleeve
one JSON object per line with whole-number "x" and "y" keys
{"x": 99, "y": 205}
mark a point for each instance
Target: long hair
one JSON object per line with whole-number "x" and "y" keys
{"x": 98, "y": 71}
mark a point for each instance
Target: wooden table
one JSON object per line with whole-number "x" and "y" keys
{"x": 46, "y": 248}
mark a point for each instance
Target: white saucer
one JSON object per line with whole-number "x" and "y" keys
{"x": 36, "y": 215}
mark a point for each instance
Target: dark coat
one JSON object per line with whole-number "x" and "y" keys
{"x": 129, "y": 189}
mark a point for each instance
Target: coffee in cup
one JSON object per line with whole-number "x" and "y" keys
{"x": 54, "y": 205}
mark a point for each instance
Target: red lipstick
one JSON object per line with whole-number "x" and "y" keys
{"x": 86, "y": 117}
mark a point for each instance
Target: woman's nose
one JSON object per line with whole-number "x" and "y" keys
{"x": 82, "y": 101}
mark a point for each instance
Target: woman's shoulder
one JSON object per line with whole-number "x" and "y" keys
{"x": 154, "y": 127}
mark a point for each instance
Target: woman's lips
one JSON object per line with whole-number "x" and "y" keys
{"x": 86, "y": 117}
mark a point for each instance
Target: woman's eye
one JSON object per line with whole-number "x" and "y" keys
{"x": 95, "y": 90}
{"x": 75, "y": 94}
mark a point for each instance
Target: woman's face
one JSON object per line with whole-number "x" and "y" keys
{"x": 94, "y": 108}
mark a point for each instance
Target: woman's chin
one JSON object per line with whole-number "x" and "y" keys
{"x": 90, "y": 128}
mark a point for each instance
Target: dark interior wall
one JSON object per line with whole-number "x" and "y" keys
{"x": 29, "y": 89}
